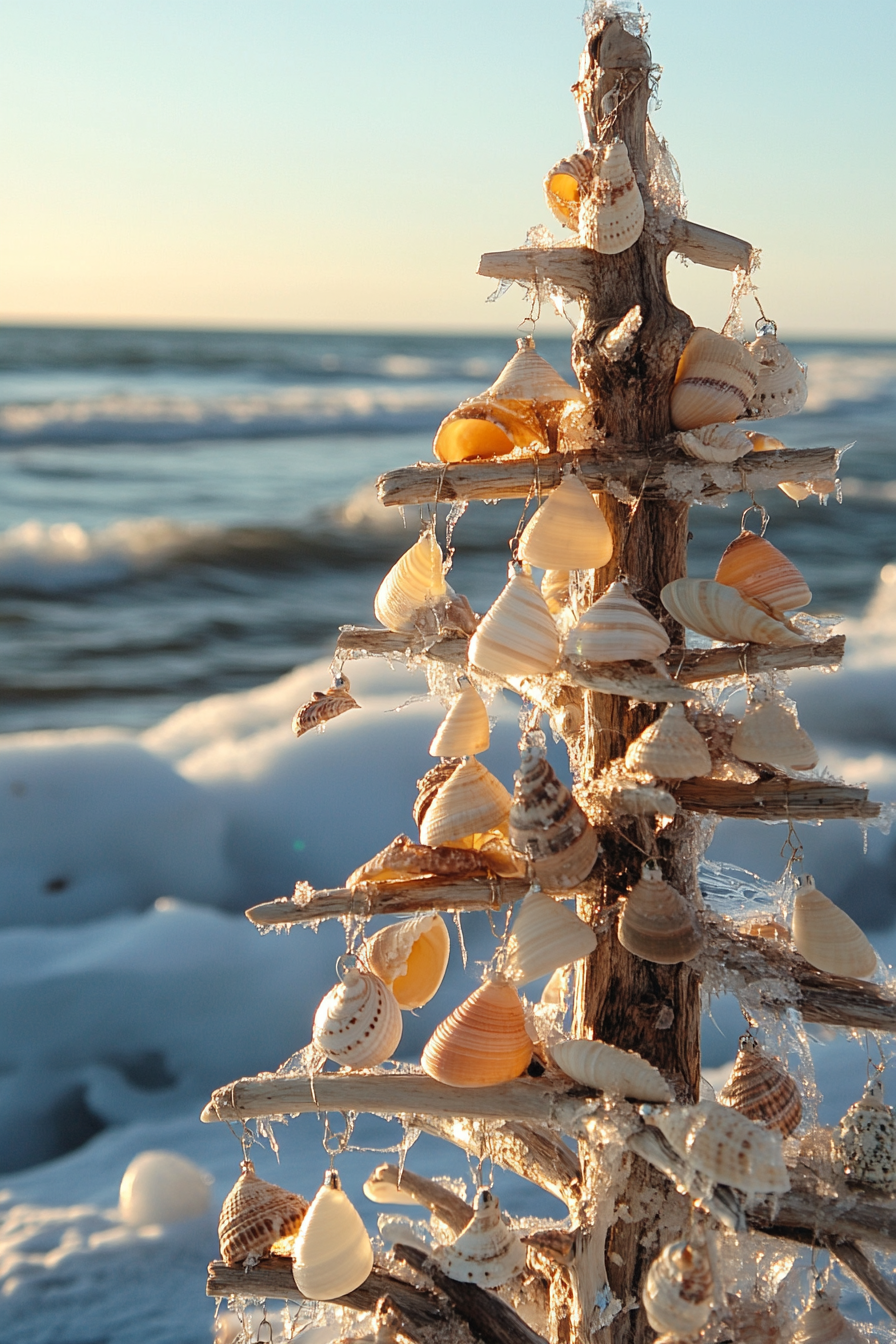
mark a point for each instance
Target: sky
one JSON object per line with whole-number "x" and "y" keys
{"x": 307, "y": 164}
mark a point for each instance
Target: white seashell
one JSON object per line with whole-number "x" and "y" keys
{"x": 384, "y": 1191}
{"x": 823, "y": 1323}
{"x": 619, "y": 1073}
{"x": 163, "y": 1187}
{"x": 670, "y": 748}
{"x": 568, "y": 531}
{"x": 415, "y": 581}
{"x": 678, "y": 1291}
{"x": 726, "y": 1147}
{"x": 487, "y": 1252}
{"x": 616, "y": 343}
{"x": 410, "y": 958}
{"x": 517, "y": 636}
{"x": 719, "y": 612}
{"x": 555, "y": 590}
{"x": 762, "y": 573}
{"x": 470, "y": 802}
{"x": 827, "y": 937}
{"x": 781, "y": 387}
{"x": 865, "y": 1146}
{"x": 332, "y": 1254}
{"x": 556, "y": 991}
{"x": 771, "y": 735}
{"x": 715, "y": 379}
{"x": 611, "y": 214}
{"x": 464, "y": 731}
{"x": 358, "y": 1023}
{"x": 545, "y": 935}
{"x": 616, "y": 628}
{"x": 256, "y": 1215}
{"x": 657, "y": 923}
{"x": 715, "y": 443}
{"x": 641, "y": 800}
{"x": 531, "y": 380}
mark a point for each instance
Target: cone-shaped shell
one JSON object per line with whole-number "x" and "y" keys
{"x": 761, "y": 1090}
{"x": 413, "y": 582}
{"x": 555, "y": 590}
{"x": 544, "y": 936}
{"x": 657, "y": 923}
{"x": 719, "y": 612}
{"x": 568, "y": 531}
{"x": 611, "y": 214}
{"x": 517, "y": 636}
{"x": 484, "y": 428}
{"x": 770, "y": 735}
{"x": 823, "y": 1323}
{"x": 781, "y": 387}
{"x": 827, "y": 937}
{"x": 464, "y": 731}
{"x": 726, "y": 1147}
{"x": 410, "y": 958}
{"x": 865, "y": 1146}
{"x": 715, "y": 443}
{"x": 487, "y": 1252}
{"x": 255, "y": 1215}
{"x": 758, "y": 570}
{"x": 619, "y": 1073}
{"x": 616, "y": 629}
{"x": 483, "y": 1041}
{"x": 715, "y": 379}
{"x": 547, "y": 826}
{"x": 529, "y": 378}
{"x": 470, "y": 802}
{"x": 358, "y": 1024}
{"x": 670, "y": 748}
{"x": 678, "y": 1291}
{"x": 566, "y": 183}
{"x": 323, "y": 706}
{"x": 332, "y": 1253}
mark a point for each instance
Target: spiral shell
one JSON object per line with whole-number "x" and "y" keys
{"x": 823, "y": 1323}
{"x": 619, "y": 1073}
{"x": 726, "y": 1147}
{"x": 714, "y": 443}
{"x": 566, "y": 183}
{"x": 413, "y": 582}
{"x": 528, "y": 378}
{"x": 487, "y": 1251}
{"x": 865, "y": 1146}
{"x": 759, "y": 571}
{"x": 771, "y": 735}
{"x": 402, "y": 859}
{"x": 761, "y": 1090}
{"x": 255, "y": 1215}
{"x": 615, "y": 629}
{"x": 323, "y": 706}
{"x": 410, "y": 958}
{"x": 719, "y": 612}
{"x": 464, "y": 731}
{"x": 568, "y": 531}
{"x": 670, "y": 748}
{"x": 555, "y": 590}
{"x": 827, "y": 937}
{"x": 517, "y": 636}
{"x": 483, "y": 428}
{"x": 358, "y": 1023}
{"x": 611, "y": 214}
{"x": 678, "y": 1290}
{"x": 483, "y": 1041}
{"x": 547, "y": 826}
{"x": 332, "y": 1254}
{"x": 545, "y": 936}
{"x": 657, "y": 923}
{"x": 470, "y": 802}
{"x": 715, "y": 379}
{"x": 781, "y": 387}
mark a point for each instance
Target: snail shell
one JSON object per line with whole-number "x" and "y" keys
{"x": 483, "y": 1041}
{"x": 517, "y": 636}
{"x": 823, "y": 1323}
{"x": 827, "y": 937}
{"x": 547, "y": 826}
{"x": 726, "y": 1147}
{"x": 865, "y": 1147}
{"x": 402, "y": 859}
{"x": 332, "y": 1254}
{"x": 761, "y": 1090}
{"x": 323, "y": 706}
{"x": 619, "y": 1073}
{"x": 555, "y": 590}
{"x": 615, "y": 629}
{"x": 545, "y": 936}
{"x": 470, "y": 802}
{"x": 255, "y": 1215}
{"x": 770, "y": 735}
{"x": 414, "y": 581}
{"x": 358, "y": 1023}
{"x": 759, "y": 571}
{"x": 678, "y": 1291}
{"x": 611, "y": 214}
{"x": 568, "y": 531}
{"x": 464, "y": 731}
{"x": 781, "y": 387}
{"x": 566, "y": 183}
{"x": 410, "y": 958}
{"x": 487, "y": 1252}
{"x": 657, "y": 923}
{"x": 670, "y": 748}
{"x": 719, "y": 612}
{"x": 715, "y": 443}
{"x": 527, "y": 378}
{"x": 714, "y": 381}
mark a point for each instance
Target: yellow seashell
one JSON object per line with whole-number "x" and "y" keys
{"x": 410, "y": 958}
{"x": 726, "y": 1147}
{"x": 545, "y": 936}
{"x": 555, "y": 590}
{"x": 715, "y": 379}
{"x": 547, "y": 826}
{"x": 719, "y": 612}
{"x": 413, "y": 582}
{"x": 678, "y": 1290}
{"x": 715, "y": 443}
{"x": 770, "y": 735}
{"x": 616, "y": 629}
{"x": 611, "y": 214}
{"x": 827, "y": 937}
{"x": 483, "y": 1041}
{"x": 470, "y": 802}
{"x": 823, "y": 1323}
{"x": 764, "y": 443}
{"x": 657, "y": 923}
{"x": 332, "y": 1254}
{"x": 483, "y": 428}
{"x": 255, "y": 1215}
{"x": 487, "y": 1251}
{"x": 358, "y": 1024}
{"x": 671, "y": 748}
{"x": 494, "y": 852}
{"x": 529, "y": 381}
{"x": 517, "y": 636}
{"x": 464, "y": 731}
{"x": 619, "y": 1073}
{"x": 761, "y": 1090}
{"x": 781, "y": 387}
{"x": 568, "y": 531}
{"x": 759, "y": 571}
{"x": 566, "y": 183}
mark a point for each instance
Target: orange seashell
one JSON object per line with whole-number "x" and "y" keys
{"x": 566, "y": 183}
{"x": 758, "y": 570}
{"x": 483, "y": 1041}
{"x": 761, "y": 1090}
{"x": 517, "y": 636}
{"x": 255, "y": 1215}
{"x": 471, "y": 802}
{"x": 410, "y": 957}
{"x": 323, "y": 706}
{"x": 657, "y": 923}
{"x": 715, "y": 379}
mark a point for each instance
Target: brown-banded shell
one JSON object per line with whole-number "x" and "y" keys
{"x": 547, "y": 826}
{"x": 827, "y": 937}
{"x": 565, "y": 185}
{"x": 726, "y": 1147}
{"x": 715, "y": 610}
{"x": 619, "y": 1073}
{"x": 464, "y": 731}
{"x": 358, "y": 1024}
{"x": 429, "y": 785}
{"x": 568, "y": 531}
{"x": 555, "y": 590}
{"x": 781, "y": 387}
{"x": 678, "y": 1290}
{"x": 823, "y": 1323}
{"x": 483, "y": 1041}
{"x": 545, "y": 936}
{"x": 714, "y": 443}
{"x": 332, "y": 1254}
{"x": 670, "y": 748}
{"x": 402, "y": 859}
{"x": 657, "y": 923}
{"x": 414, "y": 582}
{"x": 482, "y": 428}
{"x": 770, "y": 734}
{"x": 470, "y": 802}
{"x": 517, "y": 636}
{"x": 865, "y": 1145}
{"x": 759, "y": 571}
{"x": 715, "y": 379}
{"x": 615, "y": 629}
{"x": 255, "y": 1215}
{"x": 761, "y": 1090}
{"x": 487, "y": 1251}
{"x": 323, "y": 706}
{"x": 528, "y": 379}
{"x": 611, "y": 214}
{"x": 410, "y": 957}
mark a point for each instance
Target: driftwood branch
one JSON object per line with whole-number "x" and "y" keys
{"x": 392, "y": 898}
{"x": 487, "y": 1314}
{"x": 779, "y": 799}
{"x": 863, "y": 1269}
{"x": 359, "y": 639}
{"x": 531, "y": 1151}
{"x": 273, "y": 1278}
{"x": 693, "y": 665}
{"x": 709, "y": 247}
{"x": 448, "y": 1207}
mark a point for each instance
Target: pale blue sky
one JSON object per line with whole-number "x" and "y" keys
{"x": 288, "y": 163}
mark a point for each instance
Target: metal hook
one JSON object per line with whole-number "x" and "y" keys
{"x": 763, "y": 515}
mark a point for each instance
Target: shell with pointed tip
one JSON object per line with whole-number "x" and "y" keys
{"x": 865, "y": 1146}
{"x": 670, "y": 748}
{"x": 726, "y": 1147}
{"x": 568, "y": 531}
{"x": 678, "y": 1290}
{"x": 758, "y": 570}
{"x": 827, "y": 937}
{"x": 414, "y": 581}
{"x": 715, "y": 443}
{"x": 555, "y": 590}
{"x": 483, "y": 1041}
{"x": 470, "y": 802}
{"x": 323, "y": 706}
{"x": 487, "y": 1252}
{"x": 529, "y": 378}
{"x": 715, "y": 379}
{"x": 482, "y": 428}
{"x": 410, "y": 958}
{"x": 547, "y": 826}
{"x": 616, "y": 629}
{"x": 619, "y": 1073}
{"x": 566, "y": 183}
{"x": 719, "y": 612}
{"x": 761, "y": 1090}
{"x": 358, "y": 1023}
{"x": 657, "y": 923}
{"x": 611, "y": 214}
{"x": 764, "y": 443}
{"x": 517, "y": 636}
{"x": 781, "y": 387}
{"x": 823, "y": 1323}
{"x": 544, "y": 936}
{"x": 464, "y": 731}
{"x": 332, "y": 1254}
{"x": 255, "y": 1215}
{"x": 770, "y": 734}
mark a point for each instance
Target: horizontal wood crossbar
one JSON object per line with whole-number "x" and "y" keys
{"x": 779, "y": 799}
{"x": 394, "y": 898}
{"x": 272, "y": 1277}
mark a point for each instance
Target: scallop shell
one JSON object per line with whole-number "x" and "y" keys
{"x": 611, "y": 214}
{"x": 545, "y": 936}
{"x": 726, "y": 1147}
{"x": 517, "y": 636}
{"x": 670, "y": 748}
{"x": 715, "y": 379}
{"x": 865, "y": 1147}
{"x": 715, "y": 443}
{"x": 358, "y": 1023}
{"x": 758, "y": 570}
{"x": 616, "y": 629}
{"x": 781, "y": 387}
{"x": 402, "y": 859}
{"x": 823, "y": 1323}
{"x": 771, "y": 735}
{"x": 568, "y": 531}
{"x": 332, "y": 1254}
{"x": 429, "y": 785}
{"x": 255, "y": 1215}
{"x": 482, "y": 428}
{"x": 619, "y": 1073}
{"x": 323, "y": 706}
{"x": 827, "y": 937}
{"x": 761, "y": 1090}
{"x": 547, "y": 826}
{"x": 719, "y": 612}
{"x": 678, "y": 1290}
{"x": 464, "y": 731}
{"x": 469, "y": 803}
{"x": 487, "y": 1252}
{"x": 410, "y": 958}
{"x": 657, "y": 923}
{"x": 414, "y": 581}
{"x": 483, "y": 1041}
{"x": 527, "y": 378}
{"x": 555, "y": 590}
{"x": 566, "y": 183}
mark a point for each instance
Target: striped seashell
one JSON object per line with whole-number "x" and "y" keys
{"x": 759, "y": 571}
{"x": 719, "y": 612}
{"x": 568, "y": 531}
{"x": 770, "y": 734}
{"x": 657, "y": 923}
{"x": 255, "y": 1215}
{"x": 487, "y": 1252}
{"x": 781, "y": 387}
{"x": 323, "y": 706}
{"x": 823, "y": 1323}
{"x": 470, "y": 802}
{"x": 678, "y": 1290}
{"x": 410, "y": 958}
{"x": 566, "y": 183}
{"x": 761, "y": 1090}
{"x": 464, "y": 731}
{"x": 517, "y": 636}
{"x": 715, "y": 443}
{"x": 483, "y": 1041}
{"x": 332, "y": 1255}
{"x": 726, "y": 1147}
{"x": 670, "y": 748}
{"x": 358, "y": 1024}
{"x": 865, "y": 1145}
{"x": 611, "y": 214}
{"x": 402, "y": 859}
{"x": 547, "y": 826}
{"x": 619, "y": 1073}
{"x": 616, "y": 628}
{"x": 429, "y": 785}
{"x": 415, "y": 581}
{"x": 715, "y": 379}
{"x": 545, "y": 936}
{"x": 527, "y": 378}
{"x": 555, "y": 590}
{"x": 827, "y": 937}
{"x": 483, "y": 428}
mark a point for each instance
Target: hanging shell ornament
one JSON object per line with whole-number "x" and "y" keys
{"x": 714, "y": 381}
{"x": 657, "y": 923}
{"x": 618, "y": 1073}
{"x": 358, "y": 1024}
{"x": 719, "y": 612}
{"x": 547, "y": 826}
{"x": 410, "y": 958}
{"x": 429, "y": 785}
{"x": 823, "y": 1323}
{"x": 323, "y": 706}
{"x": 528, "y": 381}
{"x": 616, "y": 628}
{"x": 568, "y": 531}
{"x": 670, "y": 748}
{"x": 611, "y": 214}
{"x": 255, "y": 1215}
{"x": 464, "y": 731}
{"x": 827, "y": 937}
{"x": 554, "y": 589}
{"x": 517, "y": 636}
{"x": 762, "y": 573}
{"x": 678, "y": 1290}
{"x": 714, "y": 443}
{"x": 761, "y": 1090}
{"x": 770, "y": 734}
{"x": 565, "y": 185}
{"x": 470, "y": 802}
{"x": 545, "y": 936}
{"x": 487, "y": 1251}
{"x": 483, "y": 1041}
{"x": 865, "y": 1145}
{"x": 781, "y": 387}
{"x": 726, "y": 1147}
{"x": 481, "y": 428}
{"x": 414, "y": 582}
{"x": 402, "y": 860}
{"x": 332, "y": 1254}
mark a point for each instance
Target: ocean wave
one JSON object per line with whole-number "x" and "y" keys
{"x": 844, "y": 377}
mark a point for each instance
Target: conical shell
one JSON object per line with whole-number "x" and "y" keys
{"x": 544, "y": 936}
{"x": 678, "y": 1291}
{"x": 555, "y": 590}
{"x": 719, "y": 612}
{"x": 487, "y": 1252}
{"x": 517, "y": 636}
{"x": 865, "y": 1146}
{"x": 358, "y": 1024}
{"x": 715, "y": 379}
{"x": 410, "y": 958}
{"x": 413, "y": 582}
{"x": 619, "y": 1073}
{"x": 429, "y": 785}
{"x": 770, "y": 735}
{"x": 758, "y": 570}
{"x": 761, "y": 1090}
{"x": 715, "y": 443}
{"x": 484, "y": 428}
{"x": 823, "y": 1323}
{"x": 464, "y": 731}
{"x": 611, "y": 214}
{"x": 323, "y": 706}
{"x": 671, "y": 748}
{"x": 332, "y": 1255}
{"x": 568, "y": 531}
{"x": 781, "y": 387}
{"x": 827, "y": 937}
{"x": 483, "y": 1041}
{"x": 566, "y": 183}
{"x": 657, "y": 923}
{"x": 255, "y": 1215}
{"x": 726, "y": 1147}
{"x": 529, "y": 378}
{"x": 616, "y": 629}
{"x": 547, "y": 826}
{"x": 470, "y": 802}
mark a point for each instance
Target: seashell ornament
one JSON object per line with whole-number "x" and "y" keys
{"x": 781, "y": 387}
{"x": 402, "y": 860}
{"x": 714, "y": 443}
{"x": 255, "y": 1215}
{"x": 657, "y": 923}
{"x": 726, "y": 1147}
{"x": 566, "y": 183}
{"x": 762, "y": 573}
{"x": 611, "y": 214}
{"x": 670, "y": 748}
{"x": 545, "y": 936}
{"x": 865, "y": 1146}
{"x": 159, "y": 1186}
{"x": 761, "y": 1090}
{"x": 414, "y": 581}
{"x": 678, "y": 1291}
{"x": 470, "y": 802}
{"x": 332, "y": 1254}
{"x": 823, "y": 1323}
{"x": 770, "y": 734}
{"x": 487, "y": 1252}
{"x": 616, "y": 629}
{"x": 517, "y": 636}
{"x": 547, "y": 826}
{"x": 715, "y": 379}
{"x": 619, "y": 1073}
{"x": 568, "y": 531}
{"x": 827, "y": 937}
{"x": 429, "y": 785}
{"x": 555, "y": 590}
{"x": 323, "y": 706}
{"x": 358, "y": 1023}
{"x": 464, "y": 731}
{"x": 483, "y": 1041}
{"x": 481, "y": 428}
{"x": 528, "y": 381}
{"x": 719, "y": 612}
{"x": 410, "y": 958}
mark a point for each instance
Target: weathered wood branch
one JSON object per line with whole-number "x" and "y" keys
{"x": 448, "y": 1207}
{"x": 864, "y": 1270}
{"x": 779, "y": 799}
{"x": 709, "y": 247}
{"x": 488, "y": 1315}
{"x": 374, "y": 642}
{"x": 393, "y": 898}
{"x": 693, "y": 665}
{"x": 531, "y": 1151}
{"x": 273, "y": 1278}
